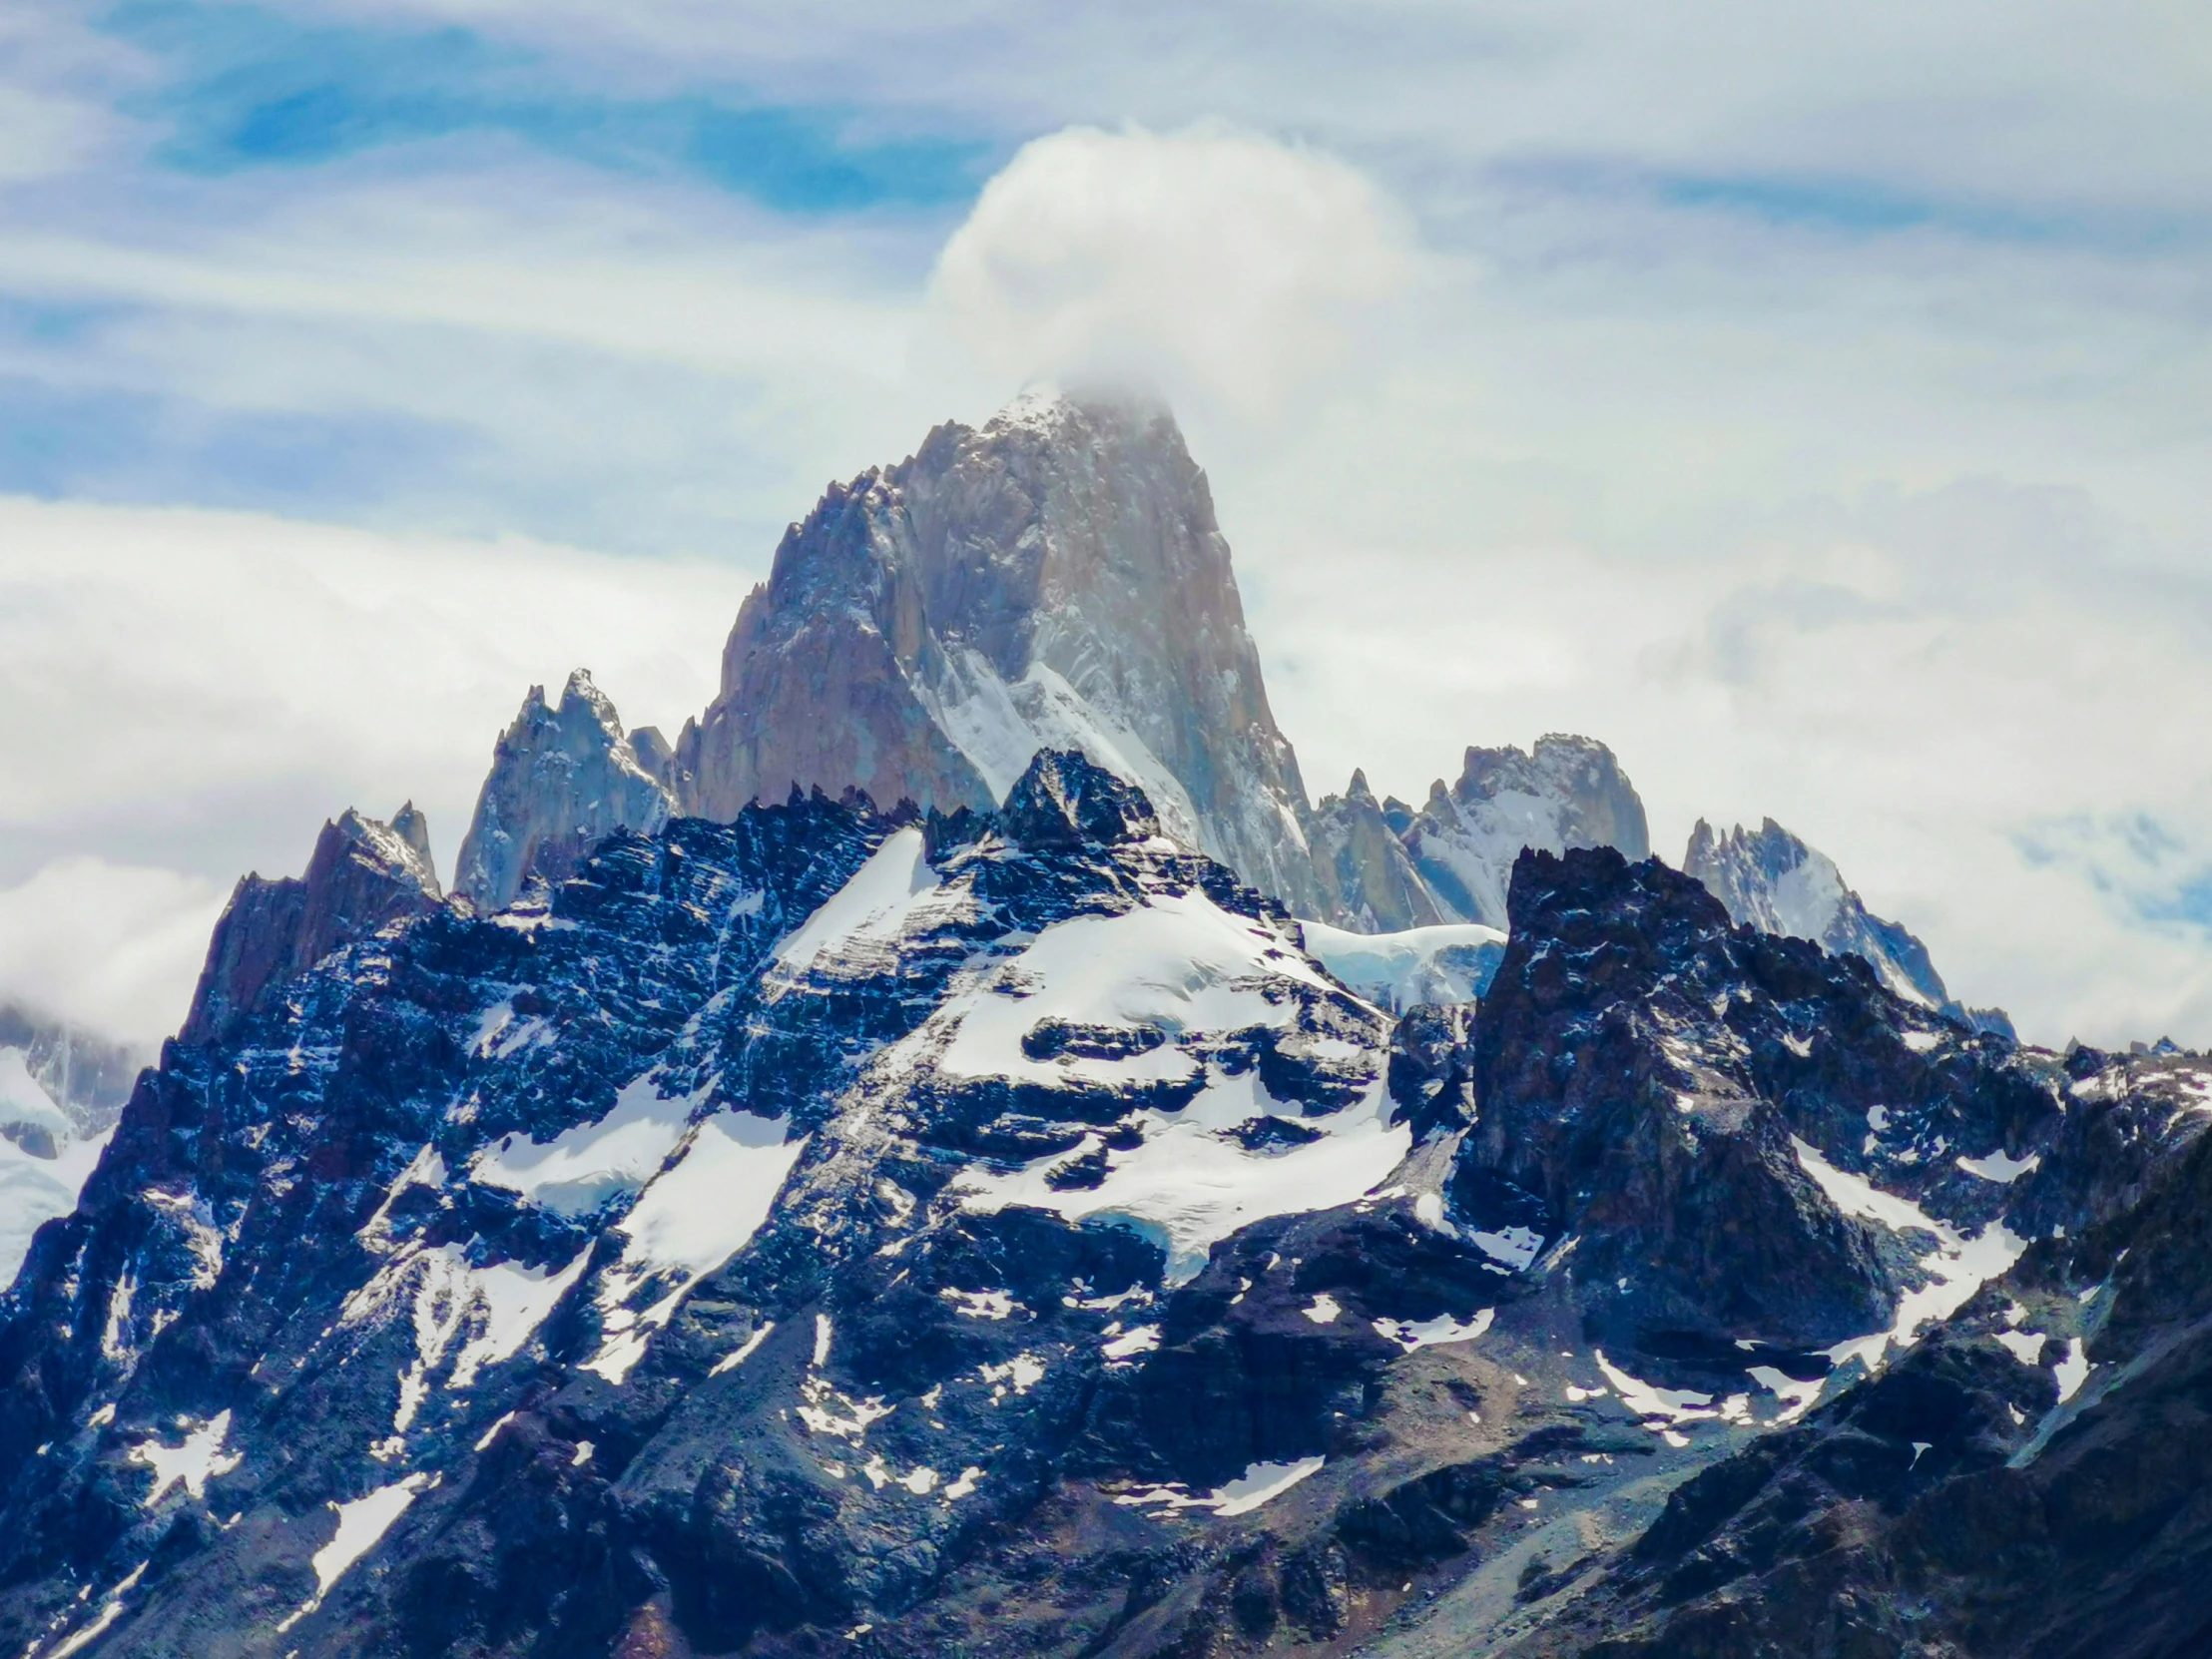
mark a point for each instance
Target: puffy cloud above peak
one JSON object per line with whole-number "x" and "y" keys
{"x": 1212, "y": 265}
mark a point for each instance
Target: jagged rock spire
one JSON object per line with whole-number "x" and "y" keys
{"x": 562, "y": 778}
{"x": 363, "y": 874}
{"x": 1772, "y": 880}
{"x": 1053, "y": 580}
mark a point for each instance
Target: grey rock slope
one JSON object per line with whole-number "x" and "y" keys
{"x": 1772, "y": 880}
{"x": 1387, "y": 866}
{"x": 1369, "y": 880}
{"x": 1054, "y": 579}
{"x": 563, "y": 777}
{"x": 86, "y": 1074}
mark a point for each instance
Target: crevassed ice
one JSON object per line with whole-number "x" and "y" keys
{"x": 34, "y": 1189}
{"x": 1397, "y": 969}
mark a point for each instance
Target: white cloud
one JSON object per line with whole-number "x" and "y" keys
{"x": 192, "y": 694}
{"x": 1969, "y": 697}
{"x": 1699, "y": 465}
{"x": 1218, "y": 265}
{"x": 116, "y": 947}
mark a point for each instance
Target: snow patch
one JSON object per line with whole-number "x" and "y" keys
{"x": 583, "y": 1167}
{"x": 689, "y": 1221}
{"x": 1512, "y": 1246}
{"x": 1960, "y": 1266}
{"x": 1999, "y": 1167}
{"x": 1800, "y": 1395}
{"x": 1416, "y": 1334}
{"x": 744, "y": 1351}
{"x": 1260, "y": 1483}
{"x": 2073, "y": 1371}
{"x": 1659, "y": 1408}
{"x": 491, "y": 1309}
{"x": 1189, "y": 1188}
{"x": 1128, "y": 1346}
{"x": 199, "y": 1461}
{"x": 870, "y": 908}
{"x": 362, "y": 1524}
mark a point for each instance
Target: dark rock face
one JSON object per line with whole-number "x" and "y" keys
{"x": 362, "y": 876}
{"x": 681, "y": 1261}
{"x": 1978, "y": 1499}
{"x": 562, "y": 780}
{"x": 1647, "y": 1073}
{"x": 992, "y": 1232}
{"x": 1055, "y": 579}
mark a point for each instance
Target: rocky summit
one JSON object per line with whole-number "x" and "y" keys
{"x": 1055, "y": 578}
{"x": 958, "y": 1156}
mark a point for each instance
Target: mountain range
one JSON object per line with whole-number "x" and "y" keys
{"x": 957, "y": 1154}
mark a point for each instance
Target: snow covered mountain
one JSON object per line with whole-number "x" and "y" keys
{"x": 60, "y": 1091}
{"x": 992, "y": 1222}
{"x": 999, "y": 1232}
{"x": 1772, "y": 880}
{"x": 1055, "y": 579}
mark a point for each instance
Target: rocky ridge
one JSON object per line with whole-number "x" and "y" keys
{"x": 907, "y": 1233}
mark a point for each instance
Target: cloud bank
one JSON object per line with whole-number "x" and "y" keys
{"x": 1813, "y": 408}
{"x": 1218, "y": 268}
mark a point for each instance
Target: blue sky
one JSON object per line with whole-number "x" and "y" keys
{"x": 241, "y": 88}
{"x": 1818, "y": 407}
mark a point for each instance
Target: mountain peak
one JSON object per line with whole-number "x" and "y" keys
{"x": 1054, "y": 579}
{"x": 1065, "y": 801}
{"x": 362, "y": 874}
{"x": 562, "y": 778}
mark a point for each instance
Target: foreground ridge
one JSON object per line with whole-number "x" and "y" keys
{"x": 911, "y": 1232}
